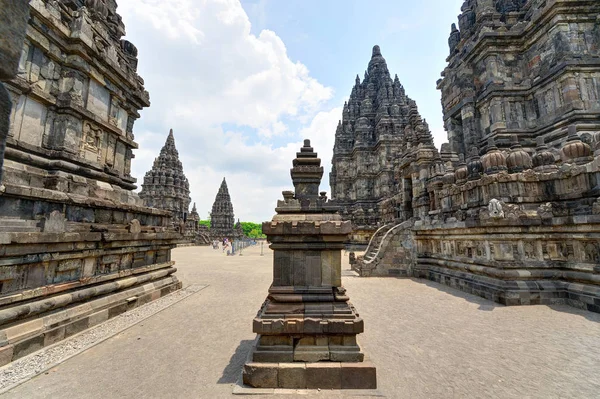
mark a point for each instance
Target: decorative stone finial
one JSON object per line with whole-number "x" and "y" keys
{"x": 376, "y": 51}
{"x": 543, "y": 159}
{"x": 495, "y": 209}
{"x": 575, "y": 150}
{"x": 474, "y": 165}
{"x": 494, "y": 160}
{"x": 461, "y": 173}
{"x": 306, "y": 173}
{"x": 518, "y": 160}
{"x": 454, "y": 39}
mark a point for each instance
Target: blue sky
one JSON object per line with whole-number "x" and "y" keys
{"x": 242, "y": 83}
{"x": 334, "y": 38}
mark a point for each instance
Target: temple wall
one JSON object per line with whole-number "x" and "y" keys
{"x": 509, "y": 209}
{"x": 530, "y": 75}
{"x": 77, "y": 246}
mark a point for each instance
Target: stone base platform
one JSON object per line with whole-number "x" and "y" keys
{"x": 66, "y": 314}
{"x": 301, "y": 375}
{"x": 514, "y": 292}
{"x": 308, "y": 375}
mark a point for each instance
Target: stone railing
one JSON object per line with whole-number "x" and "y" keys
{"x": 385, "y": 256}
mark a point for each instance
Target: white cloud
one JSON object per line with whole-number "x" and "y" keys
{"x": 215, "y": 70}
{"x": 227, "y": 94}
{"x": 321, "y": 133}
{"x": 256, "y": 173}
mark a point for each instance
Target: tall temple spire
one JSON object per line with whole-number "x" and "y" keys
{"x": 379, "y": 121}
{"x": 222, "y": 218}
{"x": 165, "y": 185}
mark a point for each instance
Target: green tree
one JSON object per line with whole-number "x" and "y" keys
{"x": 252, "y": 230}
{"x": 204, "y": 223}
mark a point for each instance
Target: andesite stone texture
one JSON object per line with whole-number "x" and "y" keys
{"x": 509, "y": 209}
{"x": 379, "y": 125}
{"x": 306, "y": 329}
{"x": 77, "y": 245}
{"x": 13, "y": 14}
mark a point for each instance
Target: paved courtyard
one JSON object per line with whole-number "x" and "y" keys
{"x": 427, "y": 341}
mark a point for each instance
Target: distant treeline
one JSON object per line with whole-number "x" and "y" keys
{"x": 251, "y": 230}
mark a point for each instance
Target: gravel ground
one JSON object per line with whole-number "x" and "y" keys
{"x": 427, "y": 341}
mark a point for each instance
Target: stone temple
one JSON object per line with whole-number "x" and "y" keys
{"x": 165, "y": 186}
{"x": 379, "y": 124}
{"x": 222, "y": 219}
{"x": 509, "y": 209}
{"x": 77, "y": 244}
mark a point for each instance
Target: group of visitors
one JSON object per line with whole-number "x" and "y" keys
{"x": 225, "y": 244}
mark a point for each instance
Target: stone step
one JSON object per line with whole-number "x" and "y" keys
{"x": 15, "y": 225}
{"x": 19, "y": 229}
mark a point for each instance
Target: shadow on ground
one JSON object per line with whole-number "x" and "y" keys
{"x": 484, "y": 304}
{"x": 232, "y": 372}
{"x": 488, "y": 305}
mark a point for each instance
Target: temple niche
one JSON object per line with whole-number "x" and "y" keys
{"x": 379, "y": 124}
{"x": 509, "y": 209}
{"x": 222, "y": 219}
{"x": 69, "y": 218}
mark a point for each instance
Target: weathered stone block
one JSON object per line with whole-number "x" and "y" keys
{"x": 27, "y": 346}
{"x": 358, "y": 376}
{"x": 323, "y": 375}
{"x": 6, "y": 354}
{"x": 14, "y": 14}
{"x": 261, "y": 375}
{"x": 292, "y": 375}
{"x": 54, "y": 335}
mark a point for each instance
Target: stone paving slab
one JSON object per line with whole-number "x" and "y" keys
{"x": 426, "y": 340}
{"x": 26, "y": 368}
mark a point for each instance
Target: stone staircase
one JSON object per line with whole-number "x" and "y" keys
{"x": 375, "y": 243}
{"x": 16, "y": 225}
{"x": 380, "y": 252}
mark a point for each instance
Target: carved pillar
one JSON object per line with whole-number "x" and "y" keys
{"x": 470, "y": 132}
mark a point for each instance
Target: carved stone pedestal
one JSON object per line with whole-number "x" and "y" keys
{"x": 306, "y": 327}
